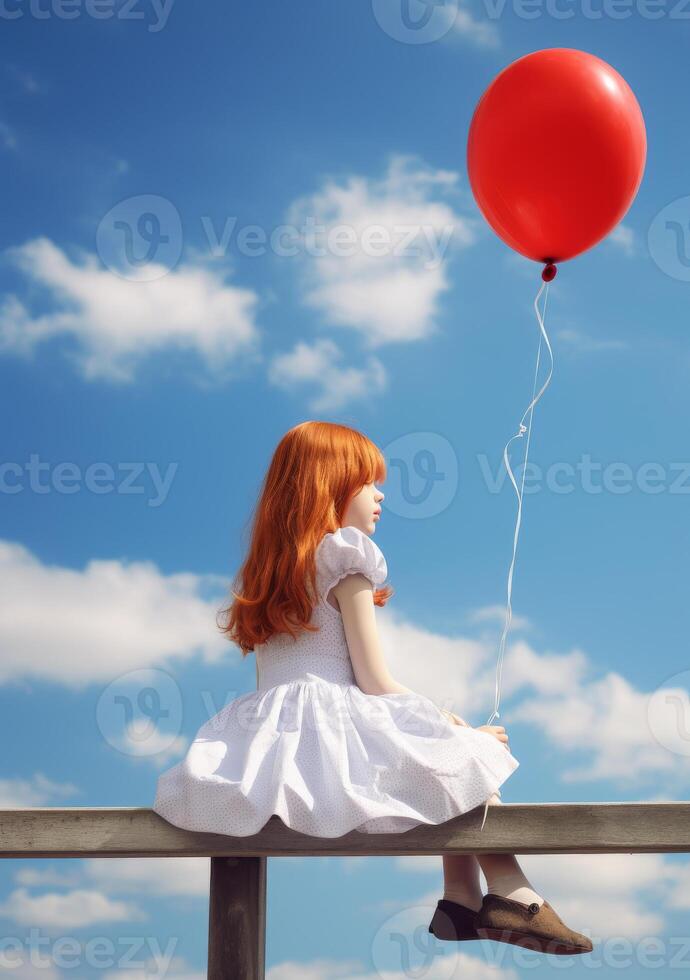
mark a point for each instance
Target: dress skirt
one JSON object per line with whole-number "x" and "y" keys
{"x": 327, "y": 759}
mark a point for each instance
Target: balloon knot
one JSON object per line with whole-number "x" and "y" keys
{"x": 549, "y": 272}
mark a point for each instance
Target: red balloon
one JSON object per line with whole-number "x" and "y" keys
{"x": 555, "y": 153}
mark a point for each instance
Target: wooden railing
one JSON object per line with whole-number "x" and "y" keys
{"x": 237, "y": 909}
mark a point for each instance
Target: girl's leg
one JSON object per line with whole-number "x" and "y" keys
{"x": 503, "y": 874}
{"x": 461, "y": 880}
{"x": 505, "y": 877}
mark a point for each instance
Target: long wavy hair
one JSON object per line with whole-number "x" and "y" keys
{"x": 316, "y": 469}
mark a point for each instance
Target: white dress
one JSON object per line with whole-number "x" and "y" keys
{"x": 310, "y": 746}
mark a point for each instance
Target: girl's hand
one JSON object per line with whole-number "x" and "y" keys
{"x": 498, "y": 731}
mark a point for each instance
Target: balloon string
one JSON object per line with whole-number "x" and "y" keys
{"x": 521, "y": 431}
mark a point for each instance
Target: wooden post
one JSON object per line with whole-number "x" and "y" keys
{"x": 237, "y": 919}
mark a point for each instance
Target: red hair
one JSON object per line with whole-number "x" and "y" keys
{"x": 316, "y": 469}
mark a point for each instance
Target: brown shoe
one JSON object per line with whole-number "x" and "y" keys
{"x": 453, "y": 921}
{"x": 533, "y": 926}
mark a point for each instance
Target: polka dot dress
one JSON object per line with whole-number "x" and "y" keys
{"x": 312, "y": 748}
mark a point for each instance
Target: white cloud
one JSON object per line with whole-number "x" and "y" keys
{"x": 445, "y": 21}
{"x": 7, "y": 137}
{"x": 389, "y": 288}
{"x": 159, "y": 966}
{"x": 497, "y": 614}
{"x": 608, "y": 719}
{"x": 450, "y": 671}
{"x": 168, "y": 876}
{"x": 99, "y": 622}
{"x": 117, "y": 321}
{"x": 84, "y": 901}
{"x": 15, "y": 960}
{"x": 386, "y": 306}
{"x": 455, "y": 964}
{"x": 34, "y": 876}
{"x": 37, "y": 790}
{"x": 80, "y": 908}
{"x": 545, "y": 673}
{"x": 603, "y": 718}
{"x": 26, "y": 79}
{"x": 321, "y": 969}
{"x": 478, "y": 32}
{"x": 157, "y": 747}
{"x": 624, "y": 238}
{"x": 678, "y": 894}
{"x": 317, "y": 365}
{"x": 577, "y": 340}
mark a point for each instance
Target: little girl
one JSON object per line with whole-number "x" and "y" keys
{"x": 330, "y": 742}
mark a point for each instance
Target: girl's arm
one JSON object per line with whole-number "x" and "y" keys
{"x": 355, "y": 597}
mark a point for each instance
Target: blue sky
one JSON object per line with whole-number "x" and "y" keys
{"x": 151, "y": 357}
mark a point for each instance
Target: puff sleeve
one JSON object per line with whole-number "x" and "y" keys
{"x": 344, "y": 552}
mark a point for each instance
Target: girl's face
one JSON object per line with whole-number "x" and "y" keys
{"x": 364, "y": 510}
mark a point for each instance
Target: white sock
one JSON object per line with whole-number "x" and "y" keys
{"x": 514, "y": 886}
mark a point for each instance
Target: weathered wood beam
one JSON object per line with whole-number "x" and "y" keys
{"x": 533, "y": 828}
